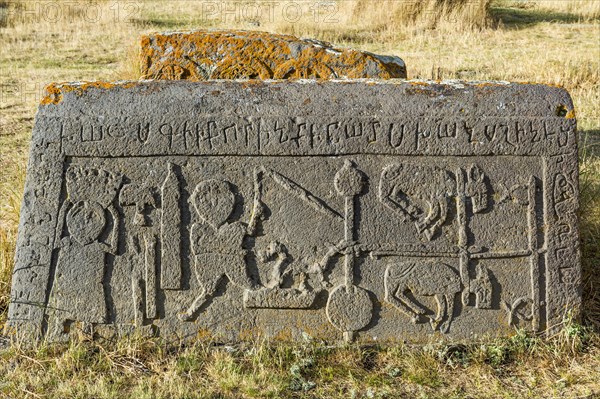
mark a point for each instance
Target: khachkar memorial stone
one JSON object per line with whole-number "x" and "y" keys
{"x": 358, "y": 209}
{"x": 202, "y": 55}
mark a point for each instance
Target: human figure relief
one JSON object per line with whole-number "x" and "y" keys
{"x": 217, "y": 244}
{"x": 79, "y": 292}
{"x": 141, "y": 249}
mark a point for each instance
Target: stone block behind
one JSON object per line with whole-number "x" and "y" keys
{"x": 203, "y": 55}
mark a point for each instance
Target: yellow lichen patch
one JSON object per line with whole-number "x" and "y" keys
{"x": 570, "y": 114}
{"x": 419, "y": 83}
{"x": 55, "y": 91}
{"x": 53, "y": 95}
{"x": 202, "y": 55}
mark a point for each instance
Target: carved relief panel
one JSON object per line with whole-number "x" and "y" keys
{"x": 314, "y": 228}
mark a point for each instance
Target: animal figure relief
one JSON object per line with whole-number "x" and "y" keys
{"x": 423, "y": 278}
{"x": 308, "y": 279}
{"x": 300, "y": 295}
{"x": 278, "y": 254}
{"x": 418, "y": 193}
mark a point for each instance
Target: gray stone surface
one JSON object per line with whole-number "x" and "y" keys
{"x": 361, "y": 210}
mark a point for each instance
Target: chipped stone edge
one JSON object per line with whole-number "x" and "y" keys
{"x": 54, "y": 91}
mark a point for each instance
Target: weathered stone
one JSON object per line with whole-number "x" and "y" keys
{"x": 372, "y": 210}
{"x": 202, "y": 55}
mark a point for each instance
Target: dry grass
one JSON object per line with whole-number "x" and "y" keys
{"x": 543, "y": 41}
{"x": 584, "y": 10}
{"x": 590, "y": 228}
{"x": 520, "y": 367}
{"x": 360, "y": 20}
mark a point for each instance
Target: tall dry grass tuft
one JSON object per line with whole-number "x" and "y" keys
{"x": 586, "y": 10}
{"x": 10, "y": 204}
{"x": 458, "y": 15}
{"x": 359, "y": 21}
{"x": 7, "y": 248}
{"x": 589, "y": 177}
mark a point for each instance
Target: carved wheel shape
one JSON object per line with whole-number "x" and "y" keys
{"x": 349, "y": 310}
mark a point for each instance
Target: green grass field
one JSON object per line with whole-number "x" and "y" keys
{"x": 556, "y": 42}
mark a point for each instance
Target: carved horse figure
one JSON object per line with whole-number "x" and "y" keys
{"x": 418, "y": 193}
{"x": 423, "y": 278}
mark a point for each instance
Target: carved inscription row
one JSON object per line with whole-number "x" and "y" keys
{"x": 298, "y": 135}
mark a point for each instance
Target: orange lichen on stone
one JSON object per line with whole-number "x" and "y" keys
{"x": 419, "y": 83}
{"x": 55, "y": 91}
{"x": 485, "y": 84}
{"x": 203, "y": 55}
{"x": 53, "y": 95}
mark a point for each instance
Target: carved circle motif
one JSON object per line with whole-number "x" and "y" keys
{"x": 349, "y": 181}
{"x": 349, "y": 310}
{"x": 85, "y": 221}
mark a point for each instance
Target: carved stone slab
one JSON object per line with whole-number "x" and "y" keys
{"x": 360, "y": 210}
{"x": 232, "y": 54}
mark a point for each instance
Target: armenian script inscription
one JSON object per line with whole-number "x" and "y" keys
{"x": 358, "y": 210}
